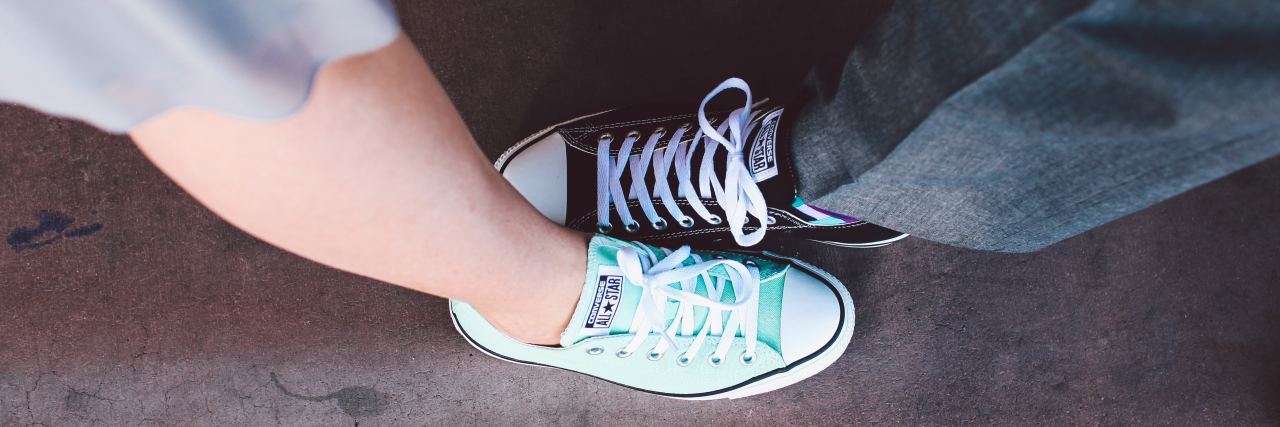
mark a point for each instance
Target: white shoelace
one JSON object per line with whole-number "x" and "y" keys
{"x": 738, "y": 195}
{"x": 656, "y": 279}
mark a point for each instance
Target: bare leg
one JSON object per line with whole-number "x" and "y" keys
{"x": 377, "y": 175}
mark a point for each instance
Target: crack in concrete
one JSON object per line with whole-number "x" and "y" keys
{"x": 31, "y": 414}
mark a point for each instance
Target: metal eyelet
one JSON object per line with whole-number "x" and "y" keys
{"x": 604, "y": 228}
{"x": 684, "y": 360}
{"x": 686, "y": 222}
{"x": 635, "y": 134}
{"x": 718, "y": 256}
{"x": 715, "y": 219}
{"x": 747, "y": 359}
{"x": 749, "y": 263}
{"x": 595, "y": 350}
{"x": 654, "y": 356}
{"x": 686, "y": 126}
{"x": 622, "y": 353}
{"x": 660, "y": 132}
{"x": 772, "y": 220}
{"x": 633, "y": 227}
{"x": 715, "y": 361}
{"x": 660, "y": 224}
{"x": 606, "y": 138}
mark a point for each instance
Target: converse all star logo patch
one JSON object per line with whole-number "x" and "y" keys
{"x": 608, "y": 297}
{"x": 764, "y": 158}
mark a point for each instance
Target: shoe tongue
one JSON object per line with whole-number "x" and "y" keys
{"x": 606, "y": 304}
{"x": 609, "y": 302}
{"x": 762, "y": 149}
{"x": 768, "y": 157}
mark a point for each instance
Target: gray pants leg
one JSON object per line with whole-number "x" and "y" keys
{"x": 1011, "y": 125}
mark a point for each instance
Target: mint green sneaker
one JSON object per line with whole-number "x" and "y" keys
{"x": 656, "y": 320}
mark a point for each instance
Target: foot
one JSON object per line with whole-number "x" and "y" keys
{"x": 708, "y": 177}
{"x": 686, "y": 324}
{"x": 533, "y": 323}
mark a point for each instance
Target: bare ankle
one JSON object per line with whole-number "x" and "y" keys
{"x": 542, "y": 327}
{"x": 540, "y": 314}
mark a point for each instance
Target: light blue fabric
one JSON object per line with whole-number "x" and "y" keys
{"x": 118, "y": 63}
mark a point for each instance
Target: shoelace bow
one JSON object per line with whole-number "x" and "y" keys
{"x": 738, "y": 195}
{"x": 656, "y": 279}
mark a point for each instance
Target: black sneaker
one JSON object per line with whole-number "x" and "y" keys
{"x": 710, "y": 188}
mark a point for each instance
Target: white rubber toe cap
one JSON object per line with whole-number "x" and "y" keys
{"x": 539, "y": 173}
{"x": 811, "y": 315}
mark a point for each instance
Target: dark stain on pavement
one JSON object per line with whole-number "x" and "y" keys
{"x": 51, "y": 226}
{"x": 356, "y": 401}
{"x": 78, "y": 400}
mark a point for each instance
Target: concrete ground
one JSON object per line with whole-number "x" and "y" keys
{"x": 124, "y": 302}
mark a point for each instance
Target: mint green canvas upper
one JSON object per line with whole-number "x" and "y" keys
{"x": 664, "y": 375}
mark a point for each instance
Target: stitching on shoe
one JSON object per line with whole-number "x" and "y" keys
{"x": 590, "y": 129}
{"x": 573, "y": 134}
{"x": 634, "y": 122}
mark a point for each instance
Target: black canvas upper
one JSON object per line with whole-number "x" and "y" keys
{"x": 582, "y": 138}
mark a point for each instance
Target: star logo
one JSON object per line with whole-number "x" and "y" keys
{"x": 608, "y": 295}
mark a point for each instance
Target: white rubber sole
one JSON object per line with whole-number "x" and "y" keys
{"x": 868, "y": 245}
{"x": 795, "y": 374}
